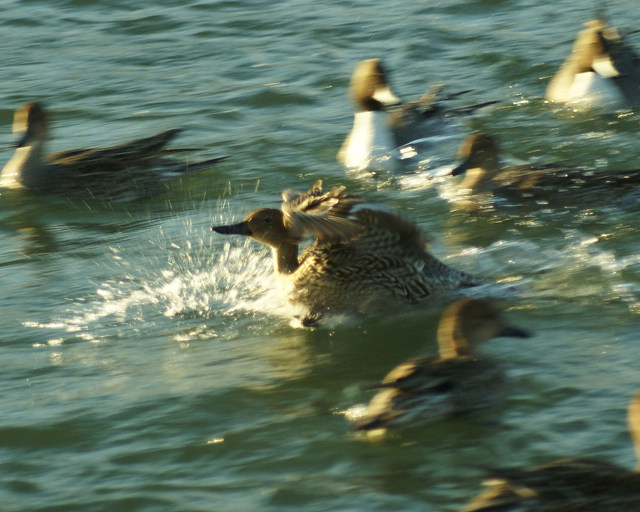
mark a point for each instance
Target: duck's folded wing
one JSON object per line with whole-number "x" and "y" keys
{"x": 437, "y": 376}
{"x": 557, "y": 180}
{"x": 412, "y": 393}
{"x": 623, "y": 58}
{"x": 385, "y": 226}
{"x": 113, "y": 158}
{"x": 413, "y": 375}
{"x": 567, "y": 484}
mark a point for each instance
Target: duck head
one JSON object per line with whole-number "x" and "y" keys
{"x": 266, "y": 226}
{"x": 369, "y": 88}
{"x": 470, "y": 322}
{"x": 479, "y": 155}
{"x": 30, "y": 120}
{"x": 591, "y": 49}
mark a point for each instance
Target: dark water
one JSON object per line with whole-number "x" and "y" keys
{"x": 148, "y": 365}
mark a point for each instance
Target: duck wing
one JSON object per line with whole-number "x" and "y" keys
{"x": 552, "y": 182}
{"x": 369, "y": 227}
{"x": 429, "y": 374}
{"x": 626, "y": 62}
{"x": 324, "y": 214}
{"x": 409, "y": 118}
{"x": 569, "y": 485}
{"x": 419, "y": 374}
{"x": 130, "y": 169}
{"x": 113, "y": 158}
{"x": 427, "y": 389}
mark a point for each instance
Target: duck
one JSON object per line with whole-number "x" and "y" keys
{"x": 571, "y": 484}
{"x": 383, "y": 123}
{"x": 429, "y": 389}
{"x": 365, "y": 257}
{"x": 127, "y": 170}
{"x": 553, "y": 184}
{"x": 602, "y": 71}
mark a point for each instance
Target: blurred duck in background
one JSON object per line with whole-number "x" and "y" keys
{"x": 553, "y": 184}
{"x": 429, "y": 389}
{"x": 383, "y": 123}
{"x": 126, "y": 171}
{"x": 566, "y": 485}
{"x": 602, "y": 70}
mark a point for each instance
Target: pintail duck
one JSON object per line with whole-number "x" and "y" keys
{"x": 429, "y": 389}
{"x": 568, "y": 485}
{"x": 602, "y": 70}
{"x": 383, "y": 123}
{"x": 550, "y": 183}
{"x": 365, "y": 257}
{"x": 131, "y": 169}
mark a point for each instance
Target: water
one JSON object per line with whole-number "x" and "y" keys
{"x": 147, "y": 363}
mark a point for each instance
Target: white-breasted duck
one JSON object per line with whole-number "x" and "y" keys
{"x": 125, "y": 171}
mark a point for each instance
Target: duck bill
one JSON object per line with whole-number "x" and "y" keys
{"x": 386, "y": 96}
{"x": 241, "y": 228}
{"x": 514, "y": 332}
{"x": 461, "y": 169}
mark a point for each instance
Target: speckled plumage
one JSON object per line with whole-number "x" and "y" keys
{"x": 365, "y": 257}
{"x": 125, "y": 171}
{"x": 567, "y": 485}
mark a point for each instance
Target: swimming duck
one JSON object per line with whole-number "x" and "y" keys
{"x": 566, "y": 485}
{"x": 365, "y": 257}
{"x": 131, "y": 169}
{"x": 551, "y": 183}
{"x": 602, "y": 70}
{"x": 383, "y": 123}
{"x": 429, "y": 389}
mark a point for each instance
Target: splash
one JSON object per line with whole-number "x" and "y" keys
{"x": 180, "y": 272}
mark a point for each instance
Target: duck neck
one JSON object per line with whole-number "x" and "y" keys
{"x": 25, "y": 164}
{"x": 474, "y": 179}
{"x": 452, "y": 343}
{"x": 453, "y": 349}
{"x": 479, "y": 178}
{"x": 285, "y": 258}
{"x": 371, "y": 143}
{"x": 634, "y": 426}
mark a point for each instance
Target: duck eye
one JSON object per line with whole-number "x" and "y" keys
{"x": 267, "y": 220}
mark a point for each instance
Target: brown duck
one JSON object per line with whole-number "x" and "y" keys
{"x": 547, "y": 183}
{"x": 429, "y": 389}
{"x": 365, "y": 257}
{"x": 569, "y": 485}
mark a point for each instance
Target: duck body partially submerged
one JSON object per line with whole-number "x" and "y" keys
{"x": 125, "y": 171}
{"x": 565, "y": 485}
{"x": 365, "y": 257}
{"x": 383, "y": 123}
{"x": 428, "y": 389}
{"x": 601, "y": 71}
{"x": 549, "y": 183}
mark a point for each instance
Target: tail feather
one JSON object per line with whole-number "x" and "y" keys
{"x": 202, "y": 165}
